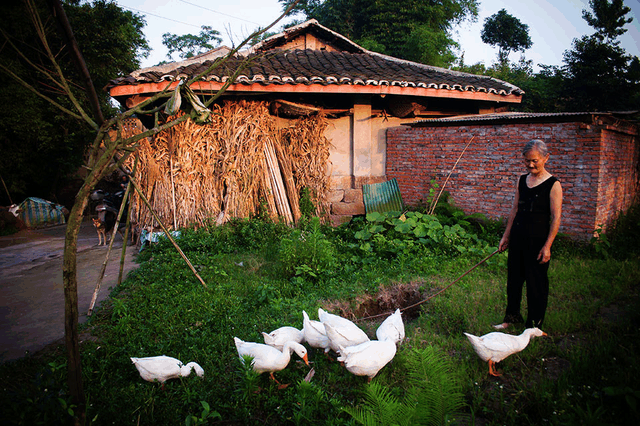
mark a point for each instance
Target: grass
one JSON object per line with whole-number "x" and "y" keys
{"x": 585, "y": 372}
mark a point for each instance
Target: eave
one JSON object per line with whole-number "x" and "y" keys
{"x": 140, "y": 92}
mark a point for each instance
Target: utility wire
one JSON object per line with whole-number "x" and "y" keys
{"x": 220, "y": 13}
{"x": 158, "y": 16}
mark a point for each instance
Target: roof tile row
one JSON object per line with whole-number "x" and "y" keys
{"x": 326, "y": 68}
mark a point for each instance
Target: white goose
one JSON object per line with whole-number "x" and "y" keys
{"x": 392, "y": 328}
{"x": 314, "y": 333}
{"x": 163, "y": 368}
{"x": 367, "y": 358}
{"x": 267, "y": 359}
{"x": 278, "y": 337}
{"x": 496, "y": 346}
{"x": 341, "y": 331}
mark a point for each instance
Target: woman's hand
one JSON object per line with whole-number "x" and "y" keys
{"x": 504, "y": 243}
{"x": 545, "y": 255}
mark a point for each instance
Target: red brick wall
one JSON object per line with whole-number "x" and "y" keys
{"x": 597, "y": 168}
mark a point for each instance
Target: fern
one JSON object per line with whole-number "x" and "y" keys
{"x": 380, "y": 407}
{"x": 433, "y": 394}
{"x": 437, "y": 387}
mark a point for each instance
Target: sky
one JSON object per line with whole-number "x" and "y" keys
{"x": 552, "y": 25}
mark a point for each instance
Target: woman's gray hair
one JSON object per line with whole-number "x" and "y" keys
{"x": 538, "y": 145}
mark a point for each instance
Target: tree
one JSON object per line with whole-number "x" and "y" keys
{"x": 506, "y": 32}
{"x": 600, "y": 75}
{"x": 415, "y": 30}
{"x": 607, "y": 18}
{"x": 42, "y": 149}
{"x": 105, "y": 153}
{"x": 189, "y": 45}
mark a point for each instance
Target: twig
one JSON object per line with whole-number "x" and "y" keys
{"x": 435, "y": 201}
{"x": 6, "y": 189}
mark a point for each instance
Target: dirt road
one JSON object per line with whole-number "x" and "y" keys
{"x": 31, "y": 290}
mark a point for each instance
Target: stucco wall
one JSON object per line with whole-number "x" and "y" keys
{"x": 597, "y": 166}
{"x": 357, "y": 157}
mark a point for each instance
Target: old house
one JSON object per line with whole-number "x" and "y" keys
{"x": 310, "y": 109}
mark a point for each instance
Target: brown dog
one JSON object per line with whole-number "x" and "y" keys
{"x": 102, "y": 231}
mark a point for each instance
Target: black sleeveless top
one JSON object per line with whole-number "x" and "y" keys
{"x": 533, "y": 216}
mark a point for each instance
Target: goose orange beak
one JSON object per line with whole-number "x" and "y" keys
{"x": 305, "y": 358}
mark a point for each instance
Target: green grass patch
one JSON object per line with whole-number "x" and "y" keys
{"x": 261, "y": 275}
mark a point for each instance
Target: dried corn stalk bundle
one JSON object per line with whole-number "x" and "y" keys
{"x": 306, "y": 147}
{"x": 193, "y": 174}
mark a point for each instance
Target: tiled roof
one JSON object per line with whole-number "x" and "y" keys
{"x": 306, "y": 67}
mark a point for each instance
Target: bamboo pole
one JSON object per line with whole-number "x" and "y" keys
{"x": 432, "y": 208}
{"x": 106, "y": 258}
{"x": 144, "y": 199}
{"x": 127, "y": 226}
{"x": 292, "y": 193}
{"x": 277, "y": 184}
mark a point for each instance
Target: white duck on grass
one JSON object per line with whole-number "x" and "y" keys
{"x": 314, "y": 333}
{"x": 341, "y": 331}
{"x": 278, "y": 337}
{"x": 267, "y": 359}
{"x": 368, "y": 358}
{"x": 392, "y": 328}
{"x": 496, "y": 346}
{"x": 162, "y": 368}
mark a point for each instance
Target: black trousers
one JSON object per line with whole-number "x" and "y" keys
{"x": 524, "y": 267}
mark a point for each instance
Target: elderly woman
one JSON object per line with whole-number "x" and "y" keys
{"x": 531, "y": 228}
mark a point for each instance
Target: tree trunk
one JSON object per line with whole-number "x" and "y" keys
{"x": 69, "y": 276}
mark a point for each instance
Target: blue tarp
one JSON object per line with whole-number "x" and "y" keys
{"x": 36, "y": 212}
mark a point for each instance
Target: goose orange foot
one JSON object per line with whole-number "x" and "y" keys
{"x": 492, "y": 369}
{"x": 280, "y": 385}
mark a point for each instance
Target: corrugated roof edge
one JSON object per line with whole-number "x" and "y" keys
{"x": 512, "y": 117}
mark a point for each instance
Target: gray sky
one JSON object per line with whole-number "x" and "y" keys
{"x": 552, "y": 24}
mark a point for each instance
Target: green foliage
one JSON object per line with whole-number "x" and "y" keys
{"x": 418, "y": 31}
{"x": 600, "y": 242}
{"x": 392, "y": 234}
{"x": 600, "y": 75}
{"x": 204, "y": 417}
{"x": 592, "y": 318}
{"x": 307, "y": 252}
{"x": 432, "y": 393}
{"x": 608, "y": 18}
{"x": 623, "y": 235}
{"x": 42, "y": 149}
{"x": 597, "y": 74}
{"x": 307, "y": 208}
{"x": 506, "y": 32}
{"x": 189, "y": 45}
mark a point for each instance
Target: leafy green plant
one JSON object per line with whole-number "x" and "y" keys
{"x": 307, "y": 252}
{"x": 433, "y": 394}
{"x": 307, "y": 207}
{"x": 204, "y": 417}
{"x": 600, "y": 242}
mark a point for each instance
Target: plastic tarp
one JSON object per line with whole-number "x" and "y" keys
{"x": 36, "y": 212}
{"x": 382, "y": 197}
{"x": 147, "y": 237}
